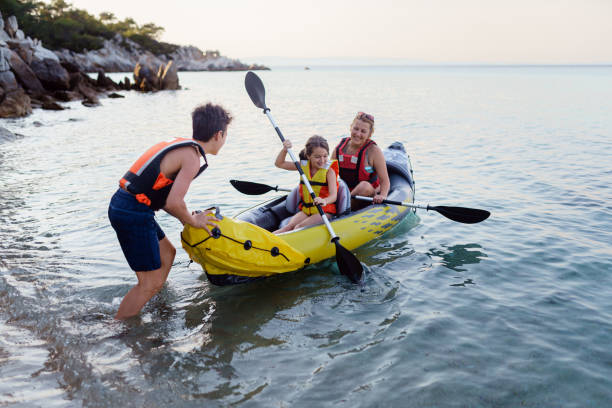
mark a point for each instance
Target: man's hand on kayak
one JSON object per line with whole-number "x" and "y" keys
{"x": 204, "y": 220}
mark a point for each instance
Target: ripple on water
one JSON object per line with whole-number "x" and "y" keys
{"x": 514, "y": 311}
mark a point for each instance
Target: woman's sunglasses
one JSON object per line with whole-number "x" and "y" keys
{"x": 363, "y": 115}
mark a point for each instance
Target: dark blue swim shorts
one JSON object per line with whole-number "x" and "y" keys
{"x": 137, "y": 231}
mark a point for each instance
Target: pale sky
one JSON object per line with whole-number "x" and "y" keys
{"x": 423, "y": 31}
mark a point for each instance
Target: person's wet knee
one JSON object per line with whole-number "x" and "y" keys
{"x": 153, "y": 285}
{"x": 168, "y": 252}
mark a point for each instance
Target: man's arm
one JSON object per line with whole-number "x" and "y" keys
{"x": 175, "y": 204}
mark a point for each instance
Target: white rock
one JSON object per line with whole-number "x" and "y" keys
{"x": 11, "y": 25}
{"x": 5, "y": 55}
{"x": 4, "y": 35}
{"x": 113, "y": 57}
{"x": 42, "y": 53}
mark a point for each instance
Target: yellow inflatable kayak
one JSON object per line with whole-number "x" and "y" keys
{"x": 243, "y": 248}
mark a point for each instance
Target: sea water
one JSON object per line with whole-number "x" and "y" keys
{"x": 514, "y": 311}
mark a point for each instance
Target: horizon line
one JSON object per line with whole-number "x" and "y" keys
{"x": 440, "y": 64}
{"x": 290, "y": 61}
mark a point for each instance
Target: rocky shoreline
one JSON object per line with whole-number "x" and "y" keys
{"x": 32, "y": 76}
{"x": 121, "y": 55}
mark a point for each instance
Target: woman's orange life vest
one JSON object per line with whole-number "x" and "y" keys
{"x": 145, "y": 179}
{"x": 354, "y": 168}
{"x": 318, "y": 182}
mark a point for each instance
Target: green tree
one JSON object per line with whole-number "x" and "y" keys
{"x": 107, "y": 18}
{"x": 22, "y": 9}
{"x": 59, "y": 25}
{"x": 57, "y": 8}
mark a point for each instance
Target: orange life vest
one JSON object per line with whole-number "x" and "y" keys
{"x": 145, "y": 179}
{"x": 318, "y": 182}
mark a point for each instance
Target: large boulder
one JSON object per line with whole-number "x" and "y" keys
{"x": 25, "y": 75}
{"x": 42, "y": 53}
{"x": 23, "y": 48}
{"x": 147, "y": 78}
{"x": 11, "y": 26}
{"x": 8, "y": 81}
{"x": 84, "y": 85}
{"x": 13, "y": 100}
{"x": 169, "y": 77}
{"x": 51, "y": 74}
{"x": 104, "y": 82}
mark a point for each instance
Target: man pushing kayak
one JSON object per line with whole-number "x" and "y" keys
{"x": 159, "y": 179}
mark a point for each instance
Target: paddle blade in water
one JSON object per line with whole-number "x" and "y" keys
{"x": 250, "y": 188}
{"x": 255, "y": 89}
{"x": 348, "y": 263}
{"x": 462, "y": 214}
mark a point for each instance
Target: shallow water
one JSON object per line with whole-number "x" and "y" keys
{"x": 515, "y": 311}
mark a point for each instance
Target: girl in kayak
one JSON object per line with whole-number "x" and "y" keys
{"x": 323, "y": 177}
{"x": 362, "y": 163}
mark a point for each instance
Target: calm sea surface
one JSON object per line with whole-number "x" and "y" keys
{"x": 513, "y": 312}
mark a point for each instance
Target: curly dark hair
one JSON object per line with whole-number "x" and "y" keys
{"x": 208, "y": 119}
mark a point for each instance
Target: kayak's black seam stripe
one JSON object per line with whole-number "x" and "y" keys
{"x": 254, "y": 247}
{"x": 194, "y": 245}
{"x": 231, "y": 239}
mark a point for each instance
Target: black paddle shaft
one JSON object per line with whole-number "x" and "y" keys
{"x": 458, "y": 214}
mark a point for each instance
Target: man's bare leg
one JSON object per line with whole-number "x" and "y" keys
{"x": 149, "y": 283}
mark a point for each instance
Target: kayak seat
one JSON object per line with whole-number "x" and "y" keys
{"x": 343, "y": 201}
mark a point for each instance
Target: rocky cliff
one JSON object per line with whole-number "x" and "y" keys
{"x": 121, "y": 55}
{"x": 32, "y": 76}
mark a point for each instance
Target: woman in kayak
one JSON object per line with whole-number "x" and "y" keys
{"x": 323, "y": 177}
{"x": 362, "y": 163}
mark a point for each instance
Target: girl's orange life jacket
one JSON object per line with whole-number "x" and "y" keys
{"x": 146, "y": 181}
{"x": 318, "y": 182}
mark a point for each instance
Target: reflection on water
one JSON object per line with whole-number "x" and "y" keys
{"x": 454, "y": 257}
{"x": 393, "y": 245}
{"x": 465, "y": 282}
